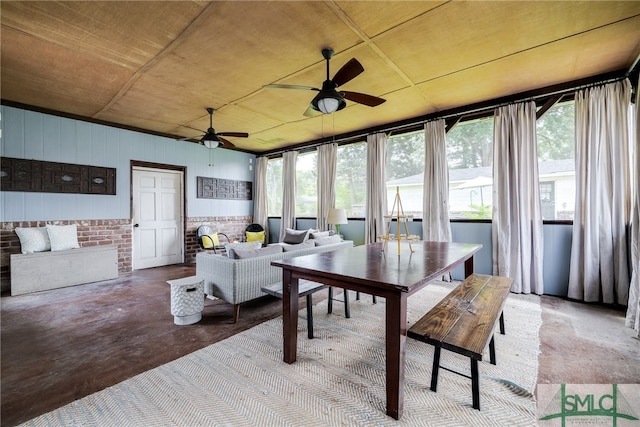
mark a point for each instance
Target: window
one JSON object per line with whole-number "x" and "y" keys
{"x": 306, "y": 185}
{"x": 274, "y": 184}
{"x": 405, "y": 171}
{"x": 555, "y": 132}
{"x": 351, "y": 179}
{"x": 469, "y": 157}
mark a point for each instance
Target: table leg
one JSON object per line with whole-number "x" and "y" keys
{"x": 396, "y": 335}
{"x": 468, "y": 267}
{"x": 289, "y": 316}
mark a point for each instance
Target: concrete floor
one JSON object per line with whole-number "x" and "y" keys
{"x": 61, "y": 345}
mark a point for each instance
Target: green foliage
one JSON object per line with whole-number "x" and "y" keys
{"x": 405, "y": 155}
{"x": 555, "y": 133}
{"x": 478, "y": 212}
{"x": 470, "y": 144}
{"x": 274, "y": 184}
{"x": 351, "y": 176}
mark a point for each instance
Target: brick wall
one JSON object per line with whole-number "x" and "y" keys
{"x": 116, "y": 232}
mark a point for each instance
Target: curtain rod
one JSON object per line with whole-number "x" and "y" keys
{"x": 458, "y": 112}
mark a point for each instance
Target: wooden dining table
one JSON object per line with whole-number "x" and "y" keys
{"x": 392, "y": 274}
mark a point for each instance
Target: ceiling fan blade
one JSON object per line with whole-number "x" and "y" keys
{"x": 236, "y": 134}
{"x": 348, "y": 71}
{"x": 363, "y": 98}
{"x": 311, "y": 112}
{"x": 190, "y": 127}
{"x": 191, "y": 138}
{"x": 226, "y": 143}
{"x": 279, "y": 86}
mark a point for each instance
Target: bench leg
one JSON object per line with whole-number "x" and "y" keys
{"x": 309, "y": 317}
{"x": 358, "y": 297}
{"x": 502, "y": 323}
{"x": 330, "y": 302}
{"x": 436, "y": 368}
{"x": 475, "y": 384}
{"x": 492, "y": 351}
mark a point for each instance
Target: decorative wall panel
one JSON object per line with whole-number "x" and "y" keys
{"x": 51, "y": 177}
{"x": 215, "y": 188}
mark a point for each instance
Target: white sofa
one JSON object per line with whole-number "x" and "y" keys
{"x": 238, "y": 280}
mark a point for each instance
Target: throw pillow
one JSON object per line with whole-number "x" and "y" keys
{"x": 253, "y": 253}
{"x": 255, "y": 236}
{"x": 331, "y": 240}
{"x": 210, "y": 241}
{"x": 319, "y": 234}
{"x": 63, "y": 237}
{"x": 33, "y": 239}
{"x": 306, "y": 245}
{"x": 295, "y": 236}
{"x": 243, "y": 246}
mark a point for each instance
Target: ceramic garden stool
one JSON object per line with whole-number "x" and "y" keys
{"x": 187, "y": 300}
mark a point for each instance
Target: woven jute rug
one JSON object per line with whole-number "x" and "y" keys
{"x": 337, "y": 380}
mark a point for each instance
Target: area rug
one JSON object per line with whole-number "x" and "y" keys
{"x": 338, "y": 379}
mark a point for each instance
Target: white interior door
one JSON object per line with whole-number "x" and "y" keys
{"x": 157, "y": 218}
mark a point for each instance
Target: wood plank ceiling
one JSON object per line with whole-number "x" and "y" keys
{"x": 156, "y": 66}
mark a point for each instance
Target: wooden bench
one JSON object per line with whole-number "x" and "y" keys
{"x": 463, "y": 322}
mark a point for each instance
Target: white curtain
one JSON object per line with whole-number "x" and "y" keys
{"x": 435, "y": 220}
{"x": 288, "y": 192}
{"x": 633, "y": 309}
{"x": 599, "y": 263}
{"x": 260, "y": 215}
{"x": 376, "y": 204}
{"x": 517, "y": 218}
{"x": 327, "y": 159}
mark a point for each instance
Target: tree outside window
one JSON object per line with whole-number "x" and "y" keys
{"x": 274, "y": 184}
{"x": 306, "y": 185}
{"x": 469, "y": 157}
{"x": 405, "y": 171}
{"x": 555, "y": 132}
{"x": 351, "y": 179}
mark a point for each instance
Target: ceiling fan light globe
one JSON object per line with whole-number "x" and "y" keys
{"x": 211, "y": 143}
{"x": 328, "y": 105}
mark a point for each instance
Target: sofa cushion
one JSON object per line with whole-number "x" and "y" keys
{"x": 319, "y": 234}
{"x": 210, "y": 241}
{"x": 253, "y": 253}
{"x": 33, "y": 239}
{"x": 243, "y": 246}
{"x": 306, "y": 245}
{"x": 295, "y": 236}
{"x": 330, "y": 240}
{"x": 255, "y": 236}
{"x": 63, "y": 237}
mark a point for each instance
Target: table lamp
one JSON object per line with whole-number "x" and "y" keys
{"x": 337, "y": 217}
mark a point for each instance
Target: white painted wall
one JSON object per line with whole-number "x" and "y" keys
{"x": 31, "y": 135}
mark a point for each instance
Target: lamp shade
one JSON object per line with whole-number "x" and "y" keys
{"x": 337, "y": 216}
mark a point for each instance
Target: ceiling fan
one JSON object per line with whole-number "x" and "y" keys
{"x": 330, "y": 100}
{"x": 213, "y": 139}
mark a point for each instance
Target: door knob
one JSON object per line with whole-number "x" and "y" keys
{"x": 136, "y": 225}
